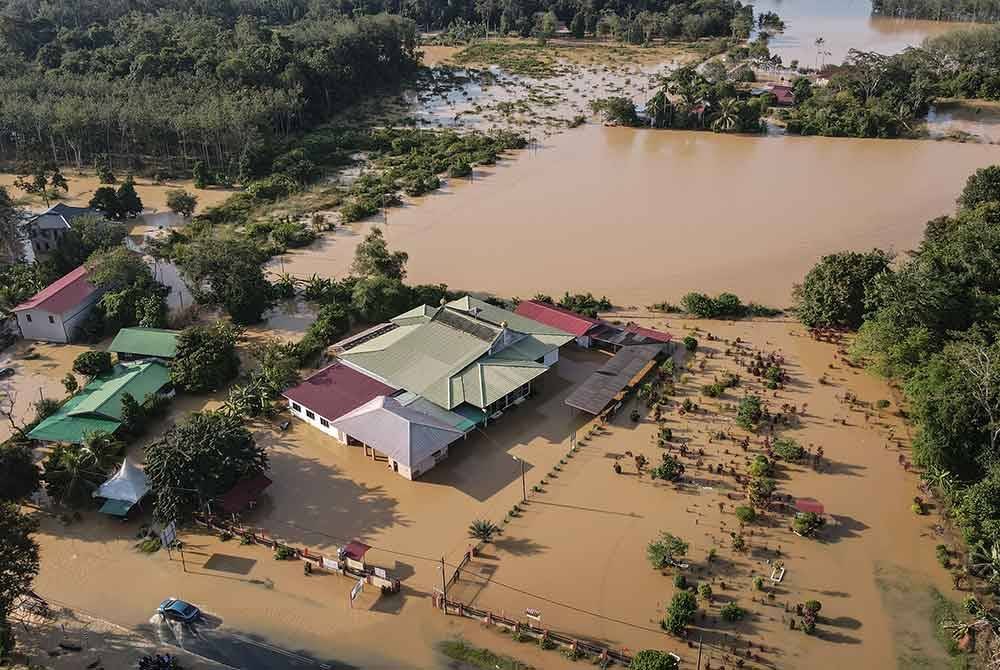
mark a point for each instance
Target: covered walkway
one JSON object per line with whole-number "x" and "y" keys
{"x": 604, "y": 385}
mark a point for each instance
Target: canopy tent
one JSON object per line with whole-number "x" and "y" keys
{"x": 125, "y": 488}
{"x": 809, "y": 505}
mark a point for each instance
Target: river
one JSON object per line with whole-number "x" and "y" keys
{"x": 646, "y": 215}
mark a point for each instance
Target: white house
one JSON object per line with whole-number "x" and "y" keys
{"x": 56, "y": 313}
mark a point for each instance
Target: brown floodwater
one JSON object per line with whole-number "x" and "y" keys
{"x": 646, "y": 215}
{"x": 843, "y": 25}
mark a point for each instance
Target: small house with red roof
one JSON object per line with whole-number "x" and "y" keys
{"x": 577, "y": 325}
{"x": 56, "y": 313}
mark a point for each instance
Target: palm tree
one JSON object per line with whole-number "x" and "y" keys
{"x": 727, "y": 116}
{"x": 483, "y": 530}
{"x": 986, "y": 562}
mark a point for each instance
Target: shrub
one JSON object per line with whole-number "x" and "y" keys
{"x": 750, "y": 412}
{"x": 669, "y": 470}
{"x": 665, "y": 550}
{"x": 651, "y": 659}
{"x": 732, "y": 612}
{"x": 807, "y": 523}
{"x": 758, "y": 583}
{"x": 788, "y": 449}
{"x": 283, "y": 553}
{"x": 690, "y": 343}
{"x": 705, "y": 591}
{"x": 681, "y": 612}
{"x": 745, "y": 514}
{"x": 761, "y": 467}
{"x": 680, "y": 582}
{"x": 92, "y": 363}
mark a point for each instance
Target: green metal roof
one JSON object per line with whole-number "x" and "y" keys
{"x": 146, "y": 342}
{"x": 444, "y": 354}
{"x": 98, "y": 407}
{"x": 495, "y": 314}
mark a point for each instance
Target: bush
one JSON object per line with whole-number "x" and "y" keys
{"x": 761, "y": 467}
{"x": 750, "y": 412}
{"x": 705, "y": 591}
{"x": 681, "y": 612}
{"x": 788, "y": 449}
{"x": 758, "y": 583}
{"x": 732, "y": 612}
{"x": 92, "y": 363}
{"x": 745, "y": 514}
{"x": 680, "y": 582}
{"x": 284, "y": 553}
{"x": 651, "y": 659}
{"x": 690, "y": 343}
{"x": 807, "y": 523}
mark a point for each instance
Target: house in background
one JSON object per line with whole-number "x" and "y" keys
{"x": 98, "y": 406}
{"x": 56, "y": 313}
{"x": 46, "y": 230}
{"x": 132, "y": 344}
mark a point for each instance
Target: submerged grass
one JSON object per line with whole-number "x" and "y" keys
{"x": 946, "y": 611}
{"x": 521, "y": 58}
{"x": 480, "y": 658}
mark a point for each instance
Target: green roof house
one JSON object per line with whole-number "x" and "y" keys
{"x": 466, "y": 356}
{"x": 98, "y": 406}
{"x": 139, "y": 343}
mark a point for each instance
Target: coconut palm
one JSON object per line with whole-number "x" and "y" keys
{"x": 483, "y": 530}
{"x": 726, "y": 116}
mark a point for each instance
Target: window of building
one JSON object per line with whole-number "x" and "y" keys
{"x": 310, "y": 414}
{"x": 51, "y": 319}
{"x": 323, "y": 422}
{"x": 28, "y": 317}
{"x": 296, "y": 407}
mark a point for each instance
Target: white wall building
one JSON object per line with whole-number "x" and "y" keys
{"x": 56, "y": 313}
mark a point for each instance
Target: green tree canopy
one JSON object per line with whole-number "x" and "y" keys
{"x": 92, "y": 363}
{"x": 832, "y": 295}
{"x": 983, "y": 186}
{"x": 372, "y": 258}
{"x": 198, "y": 460}
{"x": 19, "y": 476}
{"x": 206, "y": 358}
{"x": 18, "y": 557}
{"x": 227, "y": 271}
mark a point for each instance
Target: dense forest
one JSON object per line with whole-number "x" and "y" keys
{"x": 872, "y": 95}
{"x": 931, "y": 323}
{"x": 940, "y": 10}
{"x": 169, "y": 85}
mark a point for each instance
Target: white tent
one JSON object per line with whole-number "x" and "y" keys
{"x": 128, "y": 484}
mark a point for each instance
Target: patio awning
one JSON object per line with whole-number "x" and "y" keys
{"x": 238, "y": 498}
{"x": 356, "y": 550}
{"x": 809, "y": 505}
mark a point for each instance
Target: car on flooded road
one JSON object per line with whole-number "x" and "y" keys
{"x": 178, "y": 610}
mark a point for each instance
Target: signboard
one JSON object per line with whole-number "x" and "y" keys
{"x": 534, "y": 615}
{"x": 330, "y": 564}
{"x": 357, "y": 589}
{"x": 380, "y": 572}
{"x": 169, "y": 534}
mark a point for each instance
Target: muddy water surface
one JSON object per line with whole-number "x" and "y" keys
{"x": 843, "y": 25}
{"x": 643, "y": 215}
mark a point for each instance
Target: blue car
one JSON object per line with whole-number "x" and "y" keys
{"x": 178, "y": 610}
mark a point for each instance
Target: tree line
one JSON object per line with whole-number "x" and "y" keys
{"x": 165, "y": 85}
{"x": 982, "y": 11}
{"x": 873, "y": 95}
{"x": 931, "y": 323}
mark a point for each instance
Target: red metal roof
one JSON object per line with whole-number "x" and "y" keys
{"x": 648, "y": 333}
{"x": 62, "y": 294}
{"x": 557, "y": 317}
{"x": 809, "y": 505}
{"x": 336, "y": 390}
{"x": 238, "y": 498}
{"x": 356, "y": 550}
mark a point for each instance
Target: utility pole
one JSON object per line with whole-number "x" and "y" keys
{"x": 701, "y": 642}
{"x": 444, "y": 583}
{"x": 524, "y": 487}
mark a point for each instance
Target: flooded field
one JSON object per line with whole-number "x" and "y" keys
{"x": 643, "y": 215}
{"x": 842, "y": 26}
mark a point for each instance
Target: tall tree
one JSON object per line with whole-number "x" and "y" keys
{"x": 372, "y": 258}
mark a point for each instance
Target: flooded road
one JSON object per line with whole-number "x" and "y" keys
{"x": 842, "y": 25}
{"x": 645, "y": 215}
